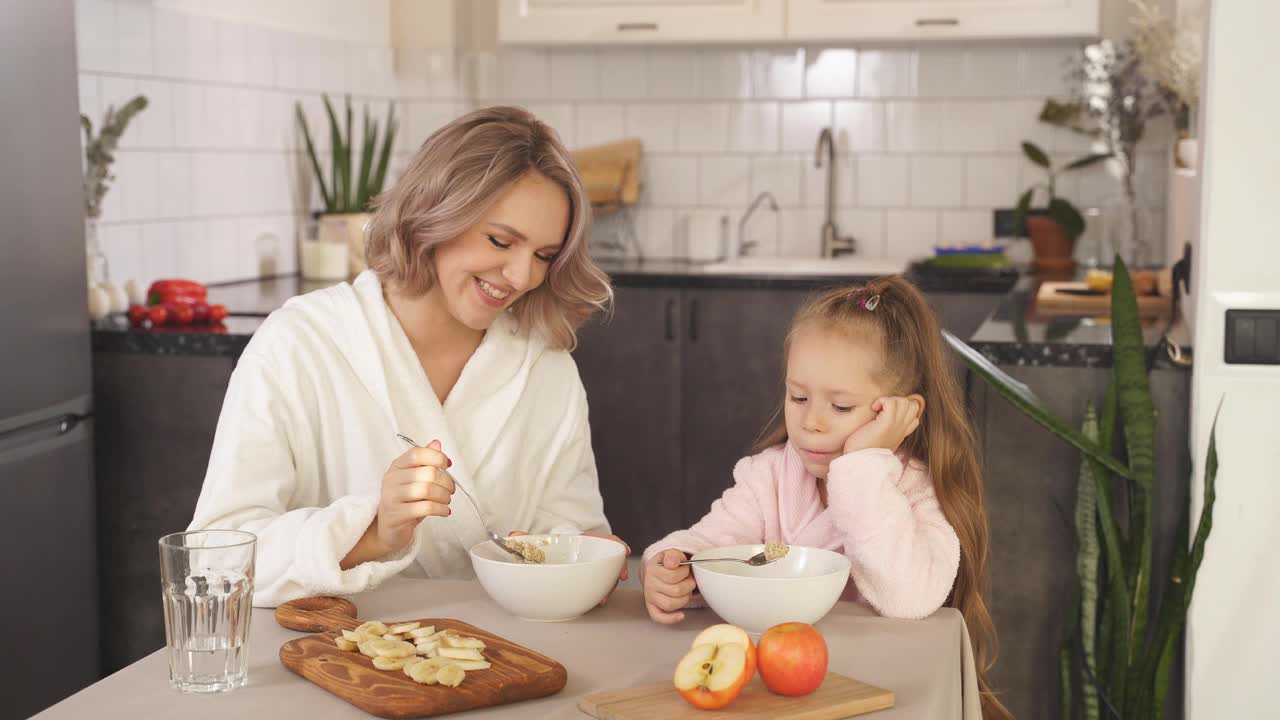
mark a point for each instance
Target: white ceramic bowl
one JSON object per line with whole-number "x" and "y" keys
{"x": 802, "y": 587}
{"x": 579, "y": 571}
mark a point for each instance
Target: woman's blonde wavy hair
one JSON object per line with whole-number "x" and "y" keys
{"x": 453, "y": 180}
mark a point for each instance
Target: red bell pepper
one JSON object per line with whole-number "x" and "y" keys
{"x": 176, "y": 292}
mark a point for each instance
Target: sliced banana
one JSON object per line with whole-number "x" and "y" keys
{"x": 392, "y": 648}
{"x": 366, "y": 649}
{"x": 460, "y": 641}
{"x": 471, "y": 664}
{"x": 392, "y": 636}
{"x": 345, "y": 644}
{"x": 373, "y": 628}
{"x": 423, "y": 632}
{"x": 391, "y": 663}
{"x": 450, "y": 675}
{"x": 405, "y": 627}
{"x": 356, "y": 636}
{"x": 461, "y": 653}
{"x": 422, "y": 672}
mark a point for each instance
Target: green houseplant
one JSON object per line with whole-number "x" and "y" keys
{"x": 350, "y": 189}
{"x": 1121, "y": 639}
{"x": 1055, "y": 226}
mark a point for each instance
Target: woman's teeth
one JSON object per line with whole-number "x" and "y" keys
{"x": 492, "y": 291}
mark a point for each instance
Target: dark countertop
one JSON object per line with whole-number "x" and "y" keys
{"x": 1014, "y": 334}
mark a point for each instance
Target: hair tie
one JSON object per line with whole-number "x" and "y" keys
{"x": 864, "y": 300}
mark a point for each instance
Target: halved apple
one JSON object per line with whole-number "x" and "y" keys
{"x": 710, "y": 677}
{"x": 725, "y": 633}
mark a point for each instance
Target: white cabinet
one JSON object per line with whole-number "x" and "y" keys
{"x": 609, "y": 22}
{"x": 845, "y": 20}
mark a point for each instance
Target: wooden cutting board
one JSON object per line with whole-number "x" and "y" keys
{"x": 518, "y": 673}
{"x": 1050, "y": 301}
{"x": 838, "y": 697}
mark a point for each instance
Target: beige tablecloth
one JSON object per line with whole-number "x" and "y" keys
{"x": 927, "y": 663}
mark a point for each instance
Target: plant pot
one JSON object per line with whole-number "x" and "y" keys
{"x": 1052, "y": 246}
{"x": 347, "y": 229}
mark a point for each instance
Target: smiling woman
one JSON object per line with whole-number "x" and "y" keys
{"x": 459, "y": 331}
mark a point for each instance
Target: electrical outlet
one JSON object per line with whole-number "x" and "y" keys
{"x": 1005, "y": 223}
{"x": 1251, "y": 337}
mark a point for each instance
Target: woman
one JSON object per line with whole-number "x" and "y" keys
{"x": 457, "y": 336}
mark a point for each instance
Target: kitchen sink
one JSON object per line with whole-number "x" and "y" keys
{"x": 843, "y": 266}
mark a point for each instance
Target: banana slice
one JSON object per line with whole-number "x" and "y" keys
{"x": 366, "y": 649}
{"x": 373, "y": 628}
{"x": 392, "y": 636}
{"x": 345, "y": 644}
{"x": 471, "y": 664}
{"x": 392, "y": 648}
{"x": 427, "y": 650}
{"x": 423, "y": 632}
{"x": 391, "y": 663}
{"x": 461, "y": 653}
{"x": 405, "y": 627}
{"x": 450, "y": 675}
{"x": 422, "y": 672}
{"x": 462, "y": 641}
{"x": 356, "y": 636}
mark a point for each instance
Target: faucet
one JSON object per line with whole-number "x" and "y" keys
{"x": 743, "y": 244}
{"x": 832, "y": 244}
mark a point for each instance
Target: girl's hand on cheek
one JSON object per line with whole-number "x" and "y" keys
{"x": 895, "y": 418}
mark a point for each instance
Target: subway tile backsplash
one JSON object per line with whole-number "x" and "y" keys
{"x": 212, "y": 183}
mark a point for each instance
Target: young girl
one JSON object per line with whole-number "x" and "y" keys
{"x": 874, "y": 458}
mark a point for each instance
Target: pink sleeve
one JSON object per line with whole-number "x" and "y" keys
{"x": 737, "y": 518}
{"x": 904, "y": 552}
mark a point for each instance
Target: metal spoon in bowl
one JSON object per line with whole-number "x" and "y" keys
{"x": 754, "y": 561}
{"x": 492, "y": 535}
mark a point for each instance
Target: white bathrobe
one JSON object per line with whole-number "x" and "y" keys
{"x": 308, "y": 429}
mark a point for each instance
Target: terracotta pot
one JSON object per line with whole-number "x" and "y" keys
{"x": 1051, "y": 244}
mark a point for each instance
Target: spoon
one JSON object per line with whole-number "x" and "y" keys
{"x": 754, "y": 561}
{"x": 492, "y": 536}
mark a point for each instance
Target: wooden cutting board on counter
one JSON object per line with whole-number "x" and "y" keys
{"x": 1050, "y": 300}
{"x": 839, "y": 697}
{"x": 517, "y": 673}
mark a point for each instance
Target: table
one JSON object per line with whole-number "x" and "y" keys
{"x": 927, "y": 663}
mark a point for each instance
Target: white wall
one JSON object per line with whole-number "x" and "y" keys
{"x": 365, "y": 22}
{"x": 1233, "y": 658}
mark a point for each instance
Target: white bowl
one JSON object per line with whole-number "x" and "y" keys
{"x": 802, "y": 587}
{"x": 579, "y": 571}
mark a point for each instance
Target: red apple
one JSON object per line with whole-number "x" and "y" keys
{"x": 710, "y": 677}
{"x": 725, "y": 633}
{"x": 792, "y": 659}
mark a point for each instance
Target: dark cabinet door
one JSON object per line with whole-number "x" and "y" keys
{"x": 732, "y": 382}
{"x": 630, "y": 365}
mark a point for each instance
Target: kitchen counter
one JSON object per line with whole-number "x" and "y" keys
{"x": 1016, "y": 334}
{"x": 249, "y": 302}
{"x": 612, "y": 647}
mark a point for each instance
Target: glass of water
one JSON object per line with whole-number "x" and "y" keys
{"x": 207, "y": 581}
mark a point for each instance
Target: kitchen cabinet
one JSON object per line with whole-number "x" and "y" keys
{"x": 612, "y": 22}
{"x": 681, "y": 382}
{"x": 155, "y": 417}
{"x": 842, "y": 20}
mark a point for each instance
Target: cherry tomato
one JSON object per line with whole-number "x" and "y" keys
{"x": 201, "y": 311}
{"x": 217, "y": 313}
{"x": 137, "y": 314}
{"x": 158, "y": 315}
{"x": 183, "y": 314}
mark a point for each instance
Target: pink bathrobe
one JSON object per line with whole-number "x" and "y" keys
{"x": 883, "y": 515}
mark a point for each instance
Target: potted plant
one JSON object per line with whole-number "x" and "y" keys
{"x": 1055, "y": 226}
{"x": 99, "y": 154}
{"x": 1123, "y": 637}
{"x": 350, "y": 189}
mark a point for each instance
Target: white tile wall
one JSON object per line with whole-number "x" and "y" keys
{"x": 927, "y": 138}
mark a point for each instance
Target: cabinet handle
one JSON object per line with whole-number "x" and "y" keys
{"x": 937, "y": 22}
{"x": 693, "y": 320}
{"x": 670, "y": 314}
{"x": 626, "y": 26}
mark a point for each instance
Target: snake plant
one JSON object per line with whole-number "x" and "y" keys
{"x": 1119, "y": 644}
{"x": 346, "y": 193}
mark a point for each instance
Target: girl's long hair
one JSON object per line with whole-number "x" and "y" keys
{"x": 915, "y": 361}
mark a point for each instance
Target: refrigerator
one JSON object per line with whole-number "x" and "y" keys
{"x": 48, "y": 597}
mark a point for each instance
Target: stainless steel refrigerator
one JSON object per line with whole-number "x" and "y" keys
{"x": 48, "y": 553}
